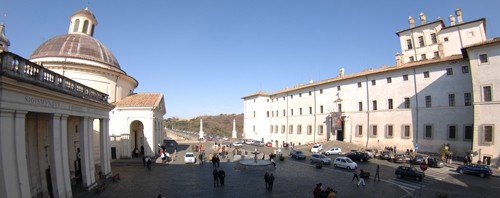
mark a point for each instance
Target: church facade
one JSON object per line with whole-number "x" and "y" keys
{"x": 439, "y": 92}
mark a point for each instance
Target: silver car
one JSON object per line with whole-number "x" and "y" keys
{"x": 345, "y": 162}
{"x": 320, "y": 158}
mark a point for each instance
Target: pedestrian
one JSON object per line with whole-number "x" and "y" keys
{"x": 217, "y": 161}
{"x": 142, "y": 149}
{"x": 377, "y": 176}
{"x": 272, "y": 162}
{"x": 317, "y": 190}
{"x": 201, "y": 157}
{"x": 361, "y": 179}
{"x": 215, "y": 173}
{"x": 222, "y": 175}
{"x": 355, "y": 176}
{"x": 266, "y": 179}
{"x": 271, "y": 182}
{"x": 214, "y": 161}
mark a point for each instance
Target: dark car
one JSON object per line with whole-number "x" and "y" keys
{"x": 297, "y": 154}
{"x": 399, "y": 158}
{"x": 475, "y": 169}
{"x": 386, "y": 155}
{"x": 435, "y": 162}
{"x": 358, "y": 156}
{"x": 417, "y": 159}
{"x": 409, "y": 172}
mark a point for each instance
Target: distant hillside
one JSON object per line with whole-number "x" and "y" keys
{"x": 218, "y": 125}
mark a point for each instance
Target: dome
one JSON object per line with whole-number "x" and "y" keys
{"x": 76, "y": 46}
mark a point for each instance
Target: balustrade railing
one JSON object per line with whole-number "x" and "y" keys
{"x": 22, "y": 69}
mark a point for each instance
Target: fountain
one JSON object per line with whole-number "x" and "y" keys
{"x": 254, "y": 164}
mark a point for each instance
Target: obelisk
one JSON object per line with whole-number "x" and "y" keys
{"x": 201, "y": 129}
{"x": 234, "y": 129}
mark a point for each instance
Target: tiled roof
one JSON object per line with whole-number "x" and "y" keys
{"x": 140, "y": 100}
{"x": 259, "y": 93}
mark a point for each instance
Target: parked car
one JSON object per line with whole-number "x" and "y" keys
{"x": 409, "y": 172}
{"x": 333, "y": 151}
{"x": 475, "y": 169}
{"x": 345, "y": 162}
{"x": 320, "y": 158}
{"x": 316, "y": 148}
{"x": 225, "y": 138}
{"x": 258, "y": 143}
{"x": 269, "y": 144}
{"x": 189, "y": 158}
{"x": 237, "y": 144}
{"x": 249, "y": 142}
{"x": 386, "y": 155}
{"x": 297, "y": 154}
{"x": 370, "y": 152}
{"x": 210, "y": 138}
{"x": 399, "y": 158}
{"x": 435, "y": 162}
{"x": 417, "y": 159}
{"x": 358, "y": 156}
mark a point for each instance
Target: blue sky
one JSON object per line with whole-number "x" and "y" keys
{"x": 204, "y": 55}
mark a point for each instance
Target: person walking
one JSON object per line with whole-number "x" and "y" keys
{"x": 317, "y": 190}
{"x": 266, "y": 179}
{"x": 355, "y": 176}
{"x": 271, "y": 182}
{"x": 221, "y": 175}
{"x": 215, "y": 173}
{"x": 201, "y": 157}
{"x": 377, "y": 176}
{"x": 361, "y": 179}
{"x": 214, "y": 161}
{"x": 217, "y": 160}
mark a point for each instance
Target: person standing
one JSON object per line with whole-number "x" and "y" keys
{"x": 377, "y": 176}
{"x": 214, "y": 161}
{"x": 361, "y": 179}
{"x": 317, "y": 190}
{"x": 215, "y": 173}
{"x": 200, "y": 156}
{"x": 266, "y": 179}
{"x": 271, "y": 181}
{"x": 217, "y": 160}
{"x": 222, "y": 175}
{"x": 355, "y": 176}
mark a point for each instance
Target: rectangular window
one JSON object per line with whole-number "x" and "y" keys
{"x": 428, "y": 101}
{"x": 390, "y": 132}
{"x": 423, "y": 57}
{"x": 291, "y": 112}
{"x": 277, "y": 115}
{"x": 488, "y": 133}
{"x": 299, "y": 129}
{"x": 360, "y": 106}
{"x": 339, "y": 107}
{"x": 300, "y": 111}
{"x": 436, "y": 54}
{"x": 338, "y": 88}
{"x": 407, "y": 103}
{"x": 421, "y": 41}
{"x": 267, "y": 100}
{"x": 487, "y": 94}
{"x": 408, "y": 44}
{"x": 452, "y": 132}
{"x": 359, "y": 130}
{"x": 374, "y": 131}
{"x": 300, "y": 95}
{"x": 389, "y": 80}
{"x": 483, "y": 58}
{"x": 321, "y": 91}
{"x": 433, "y": 38}
{"x": 446, "y": 39}
{"x": 467, "y": 99}
{"x": 291, "y": 96}
{"x": 412, "y": 59}
{"x": 449, "y": 71}
{"x": 374, "y": 105}
{"x": 468, "y": 132}
{"x": 272, "y": 128}
{"x": 284, "y": 112}
{"x": 359, "y": 84}
{"x": 426, "y": 74}
{"x": 309, "y": 129}
{"x": 451, "y": 100}
{"x": 406, "y": 131}
{"x": 276, "y": 129}
{"x": 321, "y": 109}
{"x": 428, "y": 132}
{"x": 284, "y": 97}
{"x": 272, "y": 113}
{"x": 320, "y": 129}
{"x": 405, "y": 77}
{"x": 283, "y": 129}
{"x": 310, "y": 93}
{"x": 465, "y": 69}
{"x": 290, "y": 129}
{"x": 389, "y": 104}
{"x": 310, "y": 110}
{"x": 254, "y": 114}
{"x": 374, "y": 82}
{"x": 253, "y": 128}
{"x": 267, "y": 113}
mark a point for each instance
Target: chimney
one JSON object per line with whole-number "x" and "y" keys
{"x": 423, "y": 18}
{"x": 458, "y": 12}
{"x": 399, "y": 60}
{"x": 411, "y": 21}
{"x": 341, "y": 74}
{"x": 452, "y": 20}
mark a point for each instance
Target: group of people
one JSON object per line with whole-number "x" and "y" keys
{"x": 319, "y": 192}
{"x": 269, "y": 179}
{"x": 215, "y": 161}
{"x": 219, "y": 176}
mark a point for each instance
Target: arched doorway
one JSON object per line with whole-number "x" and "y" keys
{"x": 137, "y": 138}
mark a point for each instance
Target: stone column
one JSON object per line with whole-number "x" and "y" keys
{"x": 22, "y": 163}
{"x": 55, "y": 156}
{"x": 105, "y": 149}
{"x": 234, "y": 129}
{"x": 9, "y": 181}
{"x": 65, "y": 156}
{"x": 201, "y": 129}
{"x": 86, "y": 155}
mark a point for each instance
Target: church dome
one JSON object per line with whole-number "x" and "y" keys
{"x": 76, "y": 46}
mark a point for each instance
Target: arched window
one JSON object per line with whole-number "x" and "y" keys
{"x": 85, "y": 26}
{"x": 75, "y": 26}
{"x": 92, "y": 30}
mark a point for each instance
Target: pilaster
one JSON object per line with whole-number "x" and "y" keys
{"x": 105, "y": 149}
{"x": 20, "y": 149}
{"x": 9, "y": 181}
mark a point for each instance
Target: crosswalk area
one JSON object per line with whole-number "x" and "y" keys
{"x": 431, "y": 177}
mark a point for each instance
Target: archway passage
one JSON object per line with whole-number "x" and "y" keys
{"x": 137, "y": 138}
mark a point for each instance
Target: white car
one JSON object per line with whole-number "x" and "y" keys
{"x": 333, "y": 151}
{"x": 345, "y": 162}
{"x": 249, "y": 142}
{"x": 316, "y": 148}
{"x": 237, "y": 144}
{"x": 189, "y": 158}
